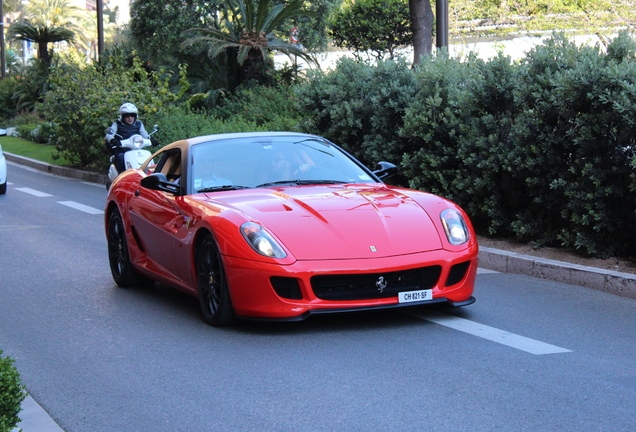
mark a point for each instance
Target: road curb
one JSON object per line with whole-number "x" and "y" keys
{"x": 617, "y": 283}
{"x": 56, "y": 169}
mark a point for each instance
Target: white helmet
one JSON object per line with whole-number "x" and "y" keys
{"x": 127, "y": 108}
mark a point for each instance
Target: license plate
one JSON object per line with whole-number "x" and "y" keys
{"x": 415, "y": 296}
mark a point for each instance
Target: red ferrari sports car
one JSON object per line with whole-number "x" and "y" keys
{"x": 282, "y": 225}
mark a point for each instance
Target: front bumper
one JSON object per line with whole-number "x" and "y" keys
{"x": 254, "y": 297}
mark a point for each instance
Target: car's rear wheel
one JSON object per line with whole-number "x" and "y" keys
{"x": 214, "y": 296}
{"x": 3, "y": 188}
{"x": 120, "y": 266}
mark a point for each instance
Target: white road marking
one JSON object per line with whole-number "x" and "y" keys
{"x": 512, "y": 340}
{"x": 81, "y": 207}
{"x": 33, "y": 192}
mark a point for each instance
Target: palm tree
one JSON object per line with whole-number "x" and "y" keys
{"x": 248, "y": 30}
{"x": 42, "y": 36}
{"x": 63, "y": 14}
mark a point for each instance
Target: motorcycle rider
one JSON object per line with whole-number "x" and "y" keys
{"x": 123, "y": 128}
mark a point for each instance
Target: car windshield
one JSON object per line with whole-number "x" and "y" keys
{"x": 268, "y": 161}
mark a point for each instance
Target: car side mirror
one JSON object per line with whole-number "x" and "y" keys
{"x": 385, "y": 170}
{"x": 159, "y": 182}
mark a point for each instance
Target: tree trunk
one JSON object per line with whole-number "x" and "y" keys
{"x": 422, "y": 25}
{"x": 43, "y": 53}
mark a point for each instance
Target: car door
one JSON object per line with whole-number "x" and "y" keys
{"x": 158, "y": 219}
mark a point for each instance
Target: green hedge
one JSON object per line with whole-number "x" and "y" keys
{"x": 542, "y": 149}
{"x": 361, "y": 107}
{"x": 11, "y": 394}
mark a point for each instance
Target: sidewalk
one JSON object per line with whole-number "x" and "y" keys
{"x": 35, "y": 418}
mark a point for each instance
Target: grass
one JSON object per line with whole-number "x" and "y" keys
{"x": 40, "y": 152}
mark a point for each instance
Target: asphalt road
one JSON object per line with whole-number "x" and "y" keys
{"x": 529, "y": 355}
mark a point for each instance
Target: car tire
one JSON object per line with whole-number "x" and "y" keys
{"x": 3, "y": 188}
{"x": 214, "y": 295}
{"x": 118, "y": 256}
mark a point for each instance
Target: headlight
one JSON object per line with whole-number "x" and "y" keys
{"x": 138, "y": 140}
{"x": 454, "y": 226}
{"x": 261, "y": 241}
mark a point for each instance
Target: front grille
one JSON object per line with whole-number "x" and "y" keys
{"x": 457, "y": 273}
{"x": 374, "y": 285}
{"x": 286, "y": 287}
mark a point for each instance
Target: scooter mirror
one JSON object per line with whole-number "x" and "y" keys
{"x": 109, "y": 130}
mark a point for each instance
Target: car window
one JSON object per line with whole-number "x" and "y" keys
{"x": 170, "y": 164}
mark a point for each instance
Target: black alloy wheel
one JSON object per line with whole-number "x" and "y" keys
{"x": 120, "y": 266}
{"x": 214, "y": 296}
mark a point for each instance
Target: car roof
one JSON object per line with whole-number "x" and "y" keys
{"x": 214, "y": 137}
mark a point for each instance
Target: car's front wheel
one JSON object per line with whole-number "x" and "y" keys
{"x": 214, "y": 296}
{"x": 120, "y": 266}
{"x": 3, "y": 188}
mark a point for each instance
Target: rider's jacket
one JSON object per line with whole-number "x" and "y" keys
{"x": 125, "y": 131}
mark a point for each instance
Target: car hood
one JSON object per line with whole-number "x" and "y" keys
{"x": 338, "y": 221}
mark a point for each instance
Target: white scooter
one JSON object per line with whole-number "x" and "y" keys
{"x": 134, "y": 157}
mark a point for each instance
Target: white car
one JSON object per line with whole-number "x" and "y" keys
{"x": 3, "y": 168}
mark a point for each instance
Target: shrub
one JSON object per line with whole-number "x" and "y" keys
{"x": 575, "y": 140}
{"x": 263, "y": 105}
{"x": 180, "y": 122}
{"x": 360, "y": 107}
{"x": 9, "y": 87}
{"x": 375, "y": 26}
{"x": 11, "y": 394}
{"x": 83, "y": 104}
{"x": 543, "y": 150}
{"x": 457, "y": 131}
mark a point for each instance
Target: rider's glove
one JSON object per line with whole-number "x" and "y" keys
{"x": 154, "y": 141}
{"x": 115, "y": 142}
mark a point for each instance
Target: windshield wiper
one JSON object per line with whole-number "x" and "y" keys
{"x": 300, "y": 182}
{"x": 222, "y": 188}
{"x": 280, "y": 182}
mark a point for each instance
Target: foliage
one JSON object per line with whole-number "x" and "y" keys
{"x": 63, "y": 14}
{"x": 262, "y": 105}
{"x": 503, "y": 17}
{"x": 82, "y": 107}
{"x": 258, "y": 108}
{"x": 379, "y": 26}
{"x": 179, "y": 122}
{"x": 541, "y": 150}
{"x": 156, "y": 27}
{"x": 11, "y": 394}
{"x": 457, "y": 131}
{"x": 312, "y": 27}
{"x": 9, "y": 86}
{"x": 41, "y": 35}
{"x": 246, "y": 31}
{"x": 360, "y": 107}
{"x": 578, "y": 138}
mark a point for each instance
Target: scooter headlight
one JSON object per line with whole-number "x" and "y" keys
{"x": 138, "y": 141}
